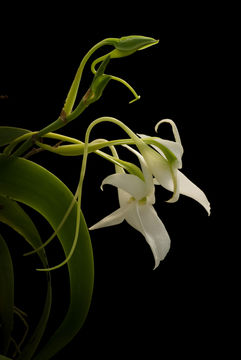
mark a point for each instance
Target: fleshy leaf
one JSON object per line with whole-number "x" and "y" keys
{"x": 7, "y": 296}
{"x": 33, "y": 185}
{"x": 8, "y": 134}
{"x": 13, "y": 215}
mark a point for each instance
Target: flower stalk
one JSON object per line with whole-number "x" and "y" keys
{"x": 125, "y": 46}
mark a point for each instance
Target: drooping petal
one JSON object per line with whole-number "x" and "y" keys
{"x": 188, "y": 188}
{"x": 145, "y": 219}
{"x": 114, "y": 218}
{"x": 129, "y": 183}
{"x": 154, "y": 231}
{"x": 132, "y": 217}
{"x": 176, "y": 186}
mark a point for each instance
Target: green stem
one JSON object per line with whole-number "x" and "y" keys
{"x": 55, "y": 125}
{"x": 63, "y": 138}
{"x": 132, "y": 135}
{"x": 77, "y": 147}
{"x": 29, "y": 142}
{"x": 71, "y": 97}
{"x": 8, "y": 149}
{"x": 77, "y": 227}
{"x": 136, "y": 96}
{"x": 78, "y": 193}
{"x": 66, "y": 114}
{"x": 56, "y": 231}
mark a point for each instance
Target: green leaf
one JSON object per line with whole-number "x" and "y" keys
{"x": 13, "y": 215}
{"x": 2, "y": 357}
{"x": 7, "y": 296}
{"x": 33, "y": 185}
{"x": 8, "y": 134}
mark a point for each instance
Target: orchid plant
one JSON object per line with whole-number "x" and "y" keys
{"x": 22, "y": 181}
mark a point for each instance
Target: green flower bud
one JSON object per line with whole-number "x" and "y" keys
{"x": 98, "y": 84}
{"x": 124, "y": 46}
{"x": 96, "y": 89}
{"x": 127, "y": 45}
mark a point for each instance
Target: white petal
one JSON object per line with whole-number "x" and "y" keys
{"x": 129, "y": 183}
{"x": 114, "y": 218}
{"x": 146, "y": 172}
{"x": 124, "y": 197}
{"x": 155, "y": 232}
{"x": 132, "y": 217}
{"x": 145, "y": 219}
{"x": 176, "y": 187}
{"x": 188, "y": 188}
{"x": 175, "y": 147}
{"x": 159, "y": 166}
{"x": 174, "y": 128}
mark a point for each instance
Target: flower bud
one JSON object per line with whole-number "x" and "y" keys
{"x": 125, "y": 46}
{"x": 98, "y": 84}
{"x": 129, "y": 44}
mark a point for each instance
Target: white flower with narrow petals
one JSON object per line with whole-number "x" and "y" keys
{"x": 164, "y": 161}
{"x": 136, "y": 198}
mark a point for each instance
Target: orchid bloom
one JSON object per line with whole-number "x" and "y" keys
{"x": 136, "y": 197}
{"x": 164, "y": 163}
{"x": 164, "y": 159}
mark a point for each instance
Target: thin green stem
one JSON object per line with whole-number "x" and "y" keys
{"x": 76, "y": 147}
{"x": 56, "y": 231}
{"x": 62, "y": 138}
{"x": 66, "y": 114}
{"x": 80, "y": 186}
{"x": 74, "y": 242}
{"x": 87, "y": 135}
{"x": 136, "y": 140}
{"x": 71, "y": 97}
{"x": 136, "y": 96}
{"x": 78, "y": 193}
{"x": 8, "y": 149}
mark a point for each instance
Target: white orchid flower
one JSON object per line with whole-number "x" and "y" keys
{"x": 164, "y": 159}
{"x": 136, "y": 198}
{"x": 165, "y": 162}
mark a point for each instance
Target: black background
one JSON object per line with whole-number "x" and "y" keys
{"x": 180, "y": 306}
